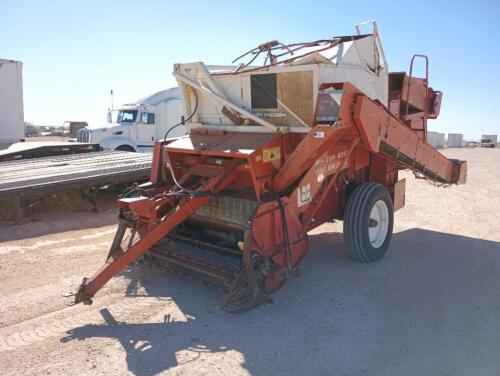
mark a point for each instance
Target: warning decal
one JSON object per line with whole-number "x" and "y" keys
{"x": 304, "y": 195}
{"x": 271, "y": 154}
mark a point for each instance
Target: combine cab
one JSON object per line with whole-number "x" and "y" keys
{"x": 317, "y": 133}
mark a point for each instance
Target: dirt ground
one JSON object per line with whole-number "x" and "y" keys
{"x": 430, "y": 307}
{"x": 46, "y": 138}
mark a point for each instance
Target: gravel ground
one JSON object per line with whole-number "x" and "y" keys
{"x": 430, "y": 307}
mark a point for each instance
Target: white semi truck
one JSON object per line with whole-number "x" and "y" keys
{"x": 136, "y": 126}
{"x": 11, "y": 102}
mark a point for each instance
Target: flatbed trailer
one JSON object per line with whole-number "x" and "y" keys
{"x": 28, "y": 150}
{"x": 34, "y": 179}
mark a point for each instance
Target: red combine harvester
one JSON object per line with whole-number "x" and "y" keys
{"x": 316, "y": 134}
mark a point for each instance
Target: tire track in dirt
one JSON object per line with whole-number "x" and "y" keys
{"x": 41, "y": 300}
{"x": 37, "y": 313}
{"x": 48, "y": 244}
{"x": 58, "y": 323}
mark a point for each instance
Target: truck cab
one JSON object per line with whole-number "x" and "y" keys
{"x": 136, "y": 126}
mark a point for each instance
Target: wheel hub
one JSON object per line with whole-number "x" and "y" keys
{"x": 378, "y": 223}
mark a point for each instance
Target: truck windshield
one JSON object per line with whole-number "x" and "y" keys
{"x": 126, "y": 116}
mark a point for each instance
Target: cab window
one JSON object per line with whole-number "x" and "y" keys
{"x": 126, "y": 116}
{"x": 148, "y": 118}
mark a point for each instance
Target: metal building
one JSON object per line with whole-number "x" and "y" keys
{"x": 435, "y": 139}
{"x": 455, "y": 140}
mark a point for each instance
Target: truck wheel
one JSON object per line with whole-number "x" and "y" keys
{"x": 125, "y": 148}
{"x": 368, "y": 222}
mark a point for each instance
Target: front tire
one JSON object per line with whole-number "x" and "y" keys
{"x": 368, "y": 222}
{"x": 125, "y": 148}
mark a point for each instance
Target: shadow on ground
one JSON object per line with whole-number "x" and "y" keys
{"x": 59, "y": 219}
{"x": 430, "y": 307}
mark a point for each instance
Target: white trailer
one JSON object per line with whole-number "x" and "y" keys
{"x": 138, "y": 125}
{"x": 455, "y": 140}
{"x": 489, "y": 140}
{"x": 11, "y": 102}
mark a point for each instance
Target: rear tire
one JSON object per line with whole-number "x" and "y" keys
{"x": 368, "y": 222}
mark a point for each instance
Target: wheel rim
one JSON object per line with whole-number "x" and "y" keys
{"x": 378, "y": 223}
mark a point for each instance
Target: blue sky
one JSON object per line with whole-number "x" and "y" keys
{"x": 75, "y": 52}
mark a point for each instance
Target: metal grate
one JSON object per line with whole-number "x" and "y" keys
{"x": 77, "y": 170}
{"x": 83, "y": 135}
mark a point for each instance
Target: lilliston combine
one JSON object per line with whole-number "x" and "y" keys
{"x": 316, "y": 134}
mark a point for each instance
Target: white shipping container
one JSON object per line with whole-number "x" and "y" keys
{"x": 489, "y": 140}
{"x": 455, "y": 140}
{"x": 11, "y": 102}
{"x": 435, "y": 139}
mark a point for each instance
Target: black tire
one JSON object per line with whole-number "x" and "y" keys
{"x": 357, "y": 222}
{"x": 125, "y": 148}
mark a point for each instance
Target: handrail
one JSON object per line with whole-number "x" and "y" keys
{"x": 426, "y": 58}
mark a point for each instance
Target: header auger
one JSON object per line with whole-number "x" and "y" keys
{"x": 271, "y": 153}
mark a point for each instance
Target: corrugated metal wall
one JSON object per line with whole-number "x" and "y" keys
{"x": 11, "y": 102}
{"x": 455, "y": 140}
{"x": 435, "y": 139}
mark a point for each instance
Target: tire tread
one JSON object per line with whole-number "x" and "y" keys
{"x": 353, "y": 221}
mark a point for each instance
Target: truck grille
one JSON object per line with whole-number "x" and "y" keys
{"x": 83, "y": 135}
